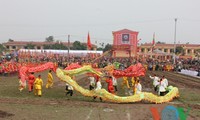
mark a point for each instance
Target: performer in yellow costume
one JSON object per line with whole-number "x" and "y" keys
{"x": 38, "y": 86}
{"x": 49, "y": 80}
{"x": 125, "y": 82}
{"x": 133, "y": 81}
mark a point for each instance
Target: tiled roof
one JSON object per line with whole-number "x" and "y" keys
{"x": 171, "y": 45}
{"x": 124, "y": 30}
{"x": 25, "y": 43}
{"x": 22, "y": 43}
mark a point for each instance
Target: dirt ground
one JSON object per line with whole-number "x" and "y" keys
{"x": 54, "y": 105}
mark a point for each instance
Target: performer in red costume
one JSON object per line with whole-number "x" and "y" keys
{"x": 31, "y": 80}
{"x": 110, "y": 85}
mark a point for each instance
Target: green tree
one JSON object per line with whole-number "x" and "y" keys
{"x": 58, "y": 46}
{"x": 30, "y": 46}
{"x": 101, "y": 44}
{"x": 49, "y": 39}
{"x": 2, "y": 48}
{"x": 47, "y": 46}
{"x": 77, "y": 45}
{"x": 10, "y": 40}
{"x": 159, "y": 42}
{"x": 107, "y": 47}
{"x": 99, "y": 48}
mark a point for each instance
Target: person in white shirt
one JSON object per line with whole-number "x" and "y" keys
{"x": 98, "y": 87}
{"x": 69, "y": 89}
{"x": 138, "y": 87}
{"x": 155, "y": 81}
{"x": 165, "y": 81}
{"x": 114, "y": 80}
{"x": 92, "y": 82}
{"x": 162, "y": 86}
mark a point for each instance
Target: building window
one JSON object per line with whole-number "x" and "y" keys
{"x": 148, "y": 49}
{"x": 165, "y": 50}
{"x": 13, "y": 47}
{"x": 38, "y": 47}
{"x": 25, "y": 47}
{"x": 7, "y": 47}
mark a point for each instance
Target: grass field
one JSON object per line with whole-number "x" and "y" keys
{"x": 54, "y": 105}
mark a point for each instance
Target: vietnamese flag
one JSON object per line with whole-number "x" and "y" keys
{"x": 89, "y": 45}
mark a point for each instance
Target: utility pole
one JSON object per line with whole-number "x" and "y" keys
{"x": 68, "y": 45}
{"x": 175, "y": 42}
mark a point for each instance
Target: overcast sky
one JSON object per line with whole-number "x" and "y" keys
{"x": 34, "y": 20}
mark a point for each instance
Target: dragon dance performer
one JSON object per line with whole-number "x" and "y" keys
{"x": 92, "y": 82}
{"x": 162, "y": 87}
{"x": 31, "y": 80}
{"x": 21, "y": 85}
{"x": 98, "y": 87}
{"x": 138, "y": 87}
{"x": 6, "y": 70}
{"x": 125, "y": 82}
{"x": 155, "y": 81}
{"x": 38, "y": 86}
{"x": 165, "y": 81}
{"x": 10, "y": 68}
{"x": 114, "y": 80}
{"x": 133, "y": 81}
{"x": 69, "y": 89}
{"x": 49, "y": 80}
{"x": 110, "y": 85}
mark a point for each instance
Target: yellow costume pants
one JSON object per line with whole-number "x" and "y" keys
{"x": 38, "y": 92}
{"x": 125, "y": 83}
{"x": 49, "y": 84}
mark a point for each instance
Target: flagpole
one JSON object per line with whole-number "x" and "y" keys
{"x": 153, "y": 41}
{"x": 96, "y": 49}
{"x": 175, "y": 42}
{"x": 87, "y": 45}
{"x": 68, "y": 47}
{"x": 153, "y": 45}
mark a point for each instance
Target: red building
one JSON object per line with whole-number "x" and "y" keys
{"x": 125, "y": 43}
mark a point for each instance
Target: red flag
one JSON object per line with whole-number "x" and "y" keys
{"x": 89, "y": 45}
{"x": 153, "y": 42}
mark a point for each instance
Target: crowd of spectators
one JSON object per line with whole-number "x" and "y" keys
{"x": 102, "y": 61}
